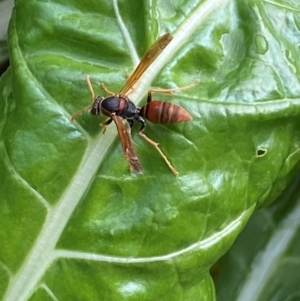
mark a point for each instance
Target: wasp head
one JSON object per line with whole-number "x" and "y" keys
{"x": 96, "y": 106}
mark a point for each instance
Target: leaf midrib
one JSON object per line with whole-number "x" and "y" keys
{"x": 23, "y": 284}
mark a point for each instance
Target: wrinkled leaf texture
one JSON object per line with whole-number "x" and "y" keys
{"x": 264, "y": 260}
{"x": 75, "y": 224}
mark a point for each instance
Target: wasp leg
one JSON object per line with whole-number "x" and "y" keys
{"x": 104, "y": 124}
{"x": 131, "y": 123}
{"x": 74, "y": 116}
{"x": 170, "y": 91}
{"x": 155, "y": 144}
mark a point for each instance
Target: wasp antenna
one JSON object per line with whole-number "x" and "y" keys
{"x": 88, "y": 80}
{"x": 74, "y": 116}
{"x": 106, "y": 90}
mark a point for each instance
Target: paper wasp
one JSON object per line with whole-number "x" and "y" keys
{"x": 119, "y": 107}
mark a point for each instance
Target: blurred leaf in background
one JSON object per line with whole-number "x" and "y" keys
{"x": 264, "y": 261}
{"x": 5, "y": 12}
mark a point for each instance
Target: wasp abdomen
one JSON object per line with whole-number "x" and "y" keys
{"x": 158, "y": 111}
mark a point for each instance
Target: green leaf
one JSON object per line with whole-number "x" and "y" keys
{"x": 75, "y": 224}
{"x": 261, "y": 264}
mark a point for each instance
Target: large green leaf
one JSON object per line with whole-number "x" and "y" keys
{"x": 75, "y": 224}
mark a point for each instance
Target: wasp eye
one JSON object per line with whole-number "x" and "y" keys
{"x": 94, "y": 111}
{"x": 96, "y": 107}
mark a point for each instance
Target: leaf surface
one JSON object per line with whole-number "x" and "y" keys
{"x": 75, "y": 224}
{"x": 266, "y": 254}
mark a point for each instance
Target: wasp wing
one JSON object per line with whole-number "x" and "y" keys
{"x": 149, "y": 57}
{"x": 127, "y": 146}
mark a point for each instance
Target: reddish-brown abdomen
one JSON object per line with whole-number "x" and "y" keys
{"x": 158, "y": 111}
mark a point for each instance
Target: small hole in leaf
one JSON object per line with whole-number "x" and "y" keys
{"x": 261, "y": 152}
